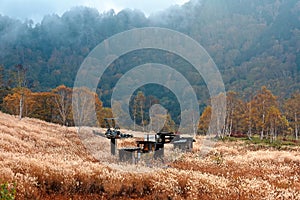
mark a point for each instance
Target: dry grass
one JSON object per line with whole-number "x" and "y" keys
{"x": 48, "y": 161}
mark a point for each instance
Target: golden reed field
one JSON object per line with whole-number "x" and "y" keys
{"x": 48, "y": 161}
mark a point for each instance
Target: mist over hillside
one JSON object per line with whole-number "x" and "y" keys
{"x": 51, "y": 144}
{"x": 253, "y": 43}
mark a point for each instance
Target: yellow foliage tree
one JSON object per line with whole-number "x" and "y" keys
{"x": 260, "y": 105}
{"x": 204, "y": 121}
{"x": 272, "y": 122}
{"x": 292, "y": 111}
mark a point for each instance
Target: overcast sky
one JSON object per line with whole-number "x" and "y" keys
{"x": 36, "y": 9}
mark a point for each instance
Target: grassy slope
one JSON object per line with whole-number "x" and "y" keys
{"x": 48, "y": 161}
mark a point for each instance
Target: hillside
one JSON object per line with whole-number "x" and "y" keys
{"x": 254, "y": 43}
{"x": 48, "y": 161}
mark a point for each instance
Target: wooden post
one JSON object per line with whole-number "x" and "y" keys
{"x": 113, "y": 146}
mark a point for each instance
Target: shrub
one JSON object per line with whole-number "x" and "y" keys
{"x": 7, "y": 191}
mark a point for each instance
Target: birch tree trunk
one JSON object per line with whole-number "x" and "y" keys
{"x": 296, "y": 126}
{"x": 21, "y": 105}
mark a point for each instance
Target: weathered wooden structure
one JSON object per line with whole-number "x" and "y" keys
{"x": 151, "y": 143}
{"x": 155, "y": 144}
{"x": 184, "y": 144}
{"x": 129, "y": 154}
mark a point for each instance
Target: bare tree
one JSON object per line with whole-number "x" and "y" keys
{"x": 63, "y": 102}
{"x": 20, "y": 77}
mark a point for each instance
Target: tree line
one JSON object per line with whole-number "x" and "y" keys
{"x": 56, "y": 105}
{"x": 53, "y": 106}
{"x": 261, "y": 115}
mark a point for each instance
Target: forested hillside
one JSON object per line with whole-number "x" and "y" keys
{"x": 253, "y": 43}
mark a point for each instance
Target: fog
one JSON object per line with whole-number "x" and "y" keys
{"x": 36, "y": 9}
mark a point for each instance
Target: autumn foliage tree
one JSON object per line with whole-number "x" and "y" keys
{"x": 38, "y": 105}
{"x": 204, "y": 121}
{"x": 62, "y": 99}
{"x": 138, "y": 107}
{"x": 292, "y": 111}
{"x": 261, "y": 115}
{"x": 261, "y": 104}
{"x": 56, "y": 106}
{"x": 235, "y": 121}
{"x": 86, "y": 107}
{"x": 42, "y": 106}
{"x": 169, "y": 125}
{"x": 19, "y": 102}
{"x": 273, "y": 121}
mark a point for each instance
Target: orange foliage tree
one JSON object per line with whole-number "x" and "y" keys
{"x": 19, "y": 102}
{"x": 38, "y": 105}
{"x": 56, "y": 106}
{"x": 42, "y": 106}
